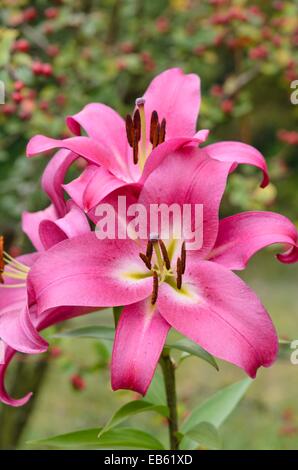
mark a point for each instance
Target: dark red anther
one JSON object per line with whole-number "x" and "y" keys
{"x": 153, "y": 125}
{"x": 179, "y": 273}
{"x": 129, "y": 130}
{"x": 149, "y": 250}
{"x": 145, "y": 260}
{"x": 183, "y": 257}
{"x": 155, "y": 288}
{"x": 156, "y": 136}
{"x": 135, "y": 149}
{"x": 137, "y": 124}
{"x": 162, "y": 131}
{"x": 165, "y": 254}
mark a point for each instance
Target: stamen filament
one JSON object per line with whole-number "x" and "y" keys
{"x": 158, "y": 255}
{"x": 13, "y": 275}
{"x": 18, "y": 265}
{"x": 12, "y": 286}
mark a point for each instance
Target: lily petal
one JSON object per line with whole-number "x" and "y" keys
{"x": 105, "y": 126}
{"x": 176, "y": 97}
{"x": 76, "y": 188}
{"x": 140, "y": 337}
{"x": 74, "y": 223}
{"x": 238, "y": 152}
{"x": 92, "y": 151}
{"x": 9, "y": 354}
{"x": 162, "y": 151}
{"x": 217, "y": 310}
{"x": 101, "y": 184}
{"x": 242, "y": 235}
{"x": 31, "y": 222}
{"x": 189, "y": 176}
{"x": 88, "y": 272}
{"x": 53, "y": 178}
{"x": 41, "y": 322}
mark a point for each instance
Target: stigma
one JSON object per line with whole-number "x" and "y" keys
{"x": 136, "y": 132}
{"x": 10, "y": 268}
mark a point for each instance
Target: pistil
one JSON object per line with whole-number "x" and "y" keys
{"x": 140, "y": 103}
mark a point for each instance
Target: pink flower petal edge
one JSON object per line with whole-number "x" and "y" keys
{"x": 240, "y": 236}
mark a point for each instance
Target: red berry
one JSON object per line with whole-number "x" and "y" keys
{"x": 162, "y": 24}
{"x": 53, "y": 50}
{"x": 8, "y": 109}
{"x": 78, "y": 382}
{"x": 55, "y": 352}
{"x": 37, "y": 67}
{"x": 18, "y": 85}
{"x": 127, "y": 47}
{"x": 51, "y": 13}
{"x": 17, "y": 97}
{"x": 227, "y": 106}
{"x": 61, "y": 100}
{"x": 44, "y": 105}
{"x": 32, "y": 94}
{"x": 47, "y": 70}
{"x": 217, "y": 90}
{"x": 289, "y": 137}
{"x": 25, "y": 115}
{"x": 258, "y": 53}
{"x": 199, "y": 50}
{"x": 22, "y": 45}
{"x": 29, "y": 14}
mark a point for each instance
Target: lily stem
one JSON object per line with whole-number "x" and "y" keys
{"x": 168, "y": 369}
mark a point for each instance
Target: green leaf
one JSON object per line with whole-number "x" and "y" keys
{"x": 121, "y": 438}
{"x": 129, "y": 438}
{"x": 130, "y": 409}
{"x": 7, "y": 37}
{"x": 156, "y": 393}
{"x": 78, "y": 439}
{"x": 194, "y": 349}
{"x": 94, "y": 332}
{"x": 216, "y": 409}
{"x": 206, "y": 435}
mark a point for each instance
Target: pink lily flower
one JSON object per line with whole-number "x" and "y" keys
{"x": 18, "y": 326}
{"x": 121, "y": 154}
{"x": 162, "y": 284}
